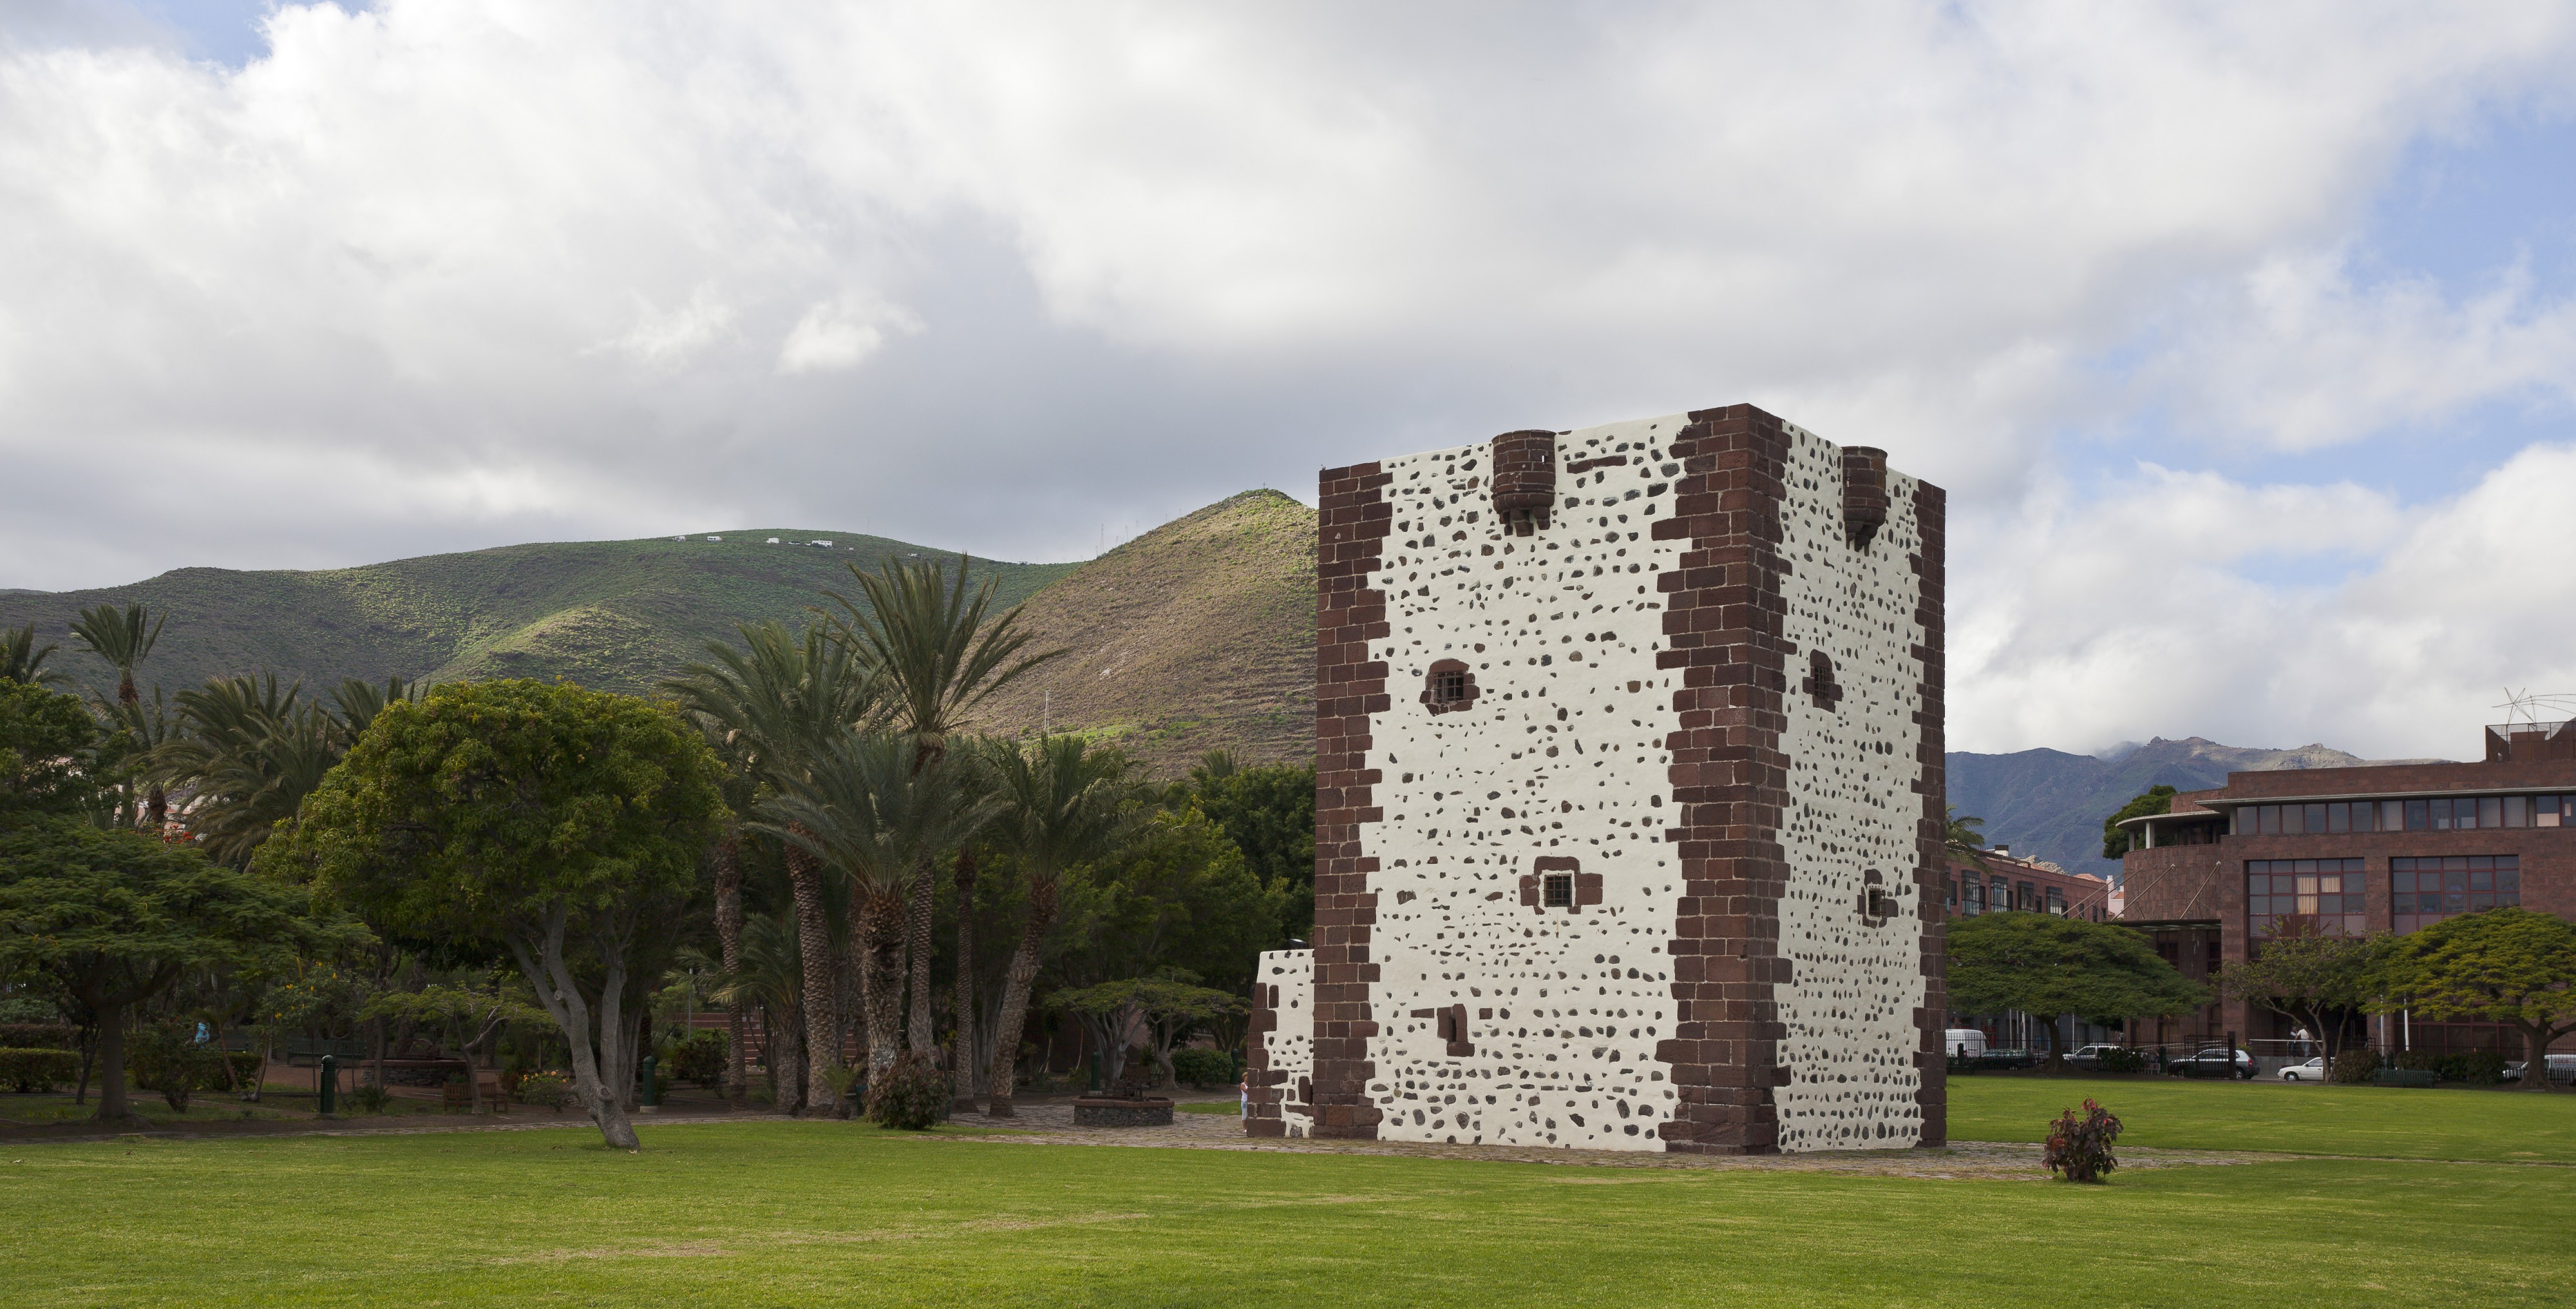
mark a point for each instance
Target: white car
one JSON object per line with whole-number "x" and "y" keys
{"x": 2313, "y": 1070}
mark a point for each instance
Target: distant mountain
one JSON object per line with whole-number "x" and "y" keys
{"x": 617, "y": 615}
{"x": 1197, "y": 635}
{"x": 2048, "y": 804}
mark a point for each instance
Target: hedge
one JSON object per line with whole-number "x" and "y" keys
{"x": 23, "y": 1069}
{"x": 36, "y": 1036}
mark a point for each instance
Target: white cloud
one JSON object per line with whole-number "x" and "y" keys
{"x": 526, "y": 268}
{"x": 833, "y": 336}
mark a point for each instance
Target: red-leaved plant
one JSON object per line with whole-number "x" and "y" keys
{"x": 2079, "y": 1146}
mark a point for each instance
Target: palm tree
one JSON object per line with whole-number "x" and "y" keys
{"x": 22, "y": 660}
{"x": 780, "y": 702}
{"x": 355, "y": 704}
{"x": 928, "y": 638}
{"x": 1064, "y": 804}
{"x": 121, "y": 637}
{"x": 767, "y": 972}
{"x": 870, "y": 809}
{"x": 724, "y": 859}
{"x": 248, "y": 751}
{"x": 144, "y": 729}
{"x": 1962, "y": 840}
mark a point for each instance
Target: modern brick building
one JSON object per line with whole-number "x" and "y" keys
{"x": 2355, "y": 850}
{"x": 1629, "y": 801}
{"x": 2002, "y": 883}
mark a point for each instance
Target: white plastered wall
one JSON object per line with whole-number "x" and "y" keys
{"x": 1562, "y": 753}
{"x": 1288, "y": 1048}
{"x": 1856, "y": 978}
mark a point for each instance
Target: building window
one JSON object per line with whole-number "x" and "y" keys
{"x": 2324, "y": 893}
{"x": 1998, "y": 896}
{"x": 1448, "y": 687}
{"x": 2056, "y": 902}
{"x": 1557, "y": 891}
{"x": 2434, "y": 814}
{"x": 2426, "y": 891}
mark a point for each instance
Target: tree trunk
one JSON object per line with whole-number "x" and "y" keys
{"x": 2535, "y": 1067}
{"x": 814, "y": 942}
{"x": 922, "y": 1032}
{"x": 545, "y": 970}
{"x": 156, "y": 809}
{"x": 112, "y": 1107}
{"x": 881, "y": 932}
{"x": 728, "y": 861}
{"x": 89, "y": 1060}
{"x": 962, "y": 996}
{"x": 1015, "y": 996}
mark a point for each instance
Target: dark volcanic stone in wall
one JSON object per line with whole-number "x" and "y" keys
{"x": 1350, "y": 687}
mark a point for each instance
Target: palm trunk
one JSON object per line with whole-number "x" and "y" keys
{"x": 1015, "y": 996}
{"x": 922, "y": 1031}
{"x": 881, "y": 923}
{"x": 814, "y": 941}
{"x": 728, "y": 861}
{"x": 962, "y": 1041}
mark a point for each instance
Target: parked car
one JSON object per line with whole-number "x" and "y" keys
{"x": 2089, "y": 1058}
{"x": 2313, "y": 1070}
{"x": 2212, "y": 1062}
{"x": 2562, "y": 1068}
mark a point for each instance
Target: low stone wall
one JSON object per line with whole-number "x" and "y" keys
{"x": 1153, "y": 1112}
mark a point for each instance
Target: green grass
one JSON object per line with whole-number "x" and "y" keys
{"x": 1229, "y": 1107}
{"x": 832, "y": 1213}
{"x": 2369, "y": 1121}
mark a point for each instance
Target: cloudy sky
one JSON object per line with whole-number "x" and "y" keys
{"x": 2243, "y": 336}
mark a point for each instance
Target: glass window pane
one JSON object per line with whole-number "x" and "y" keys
{"x": 2490, "y": 811}
{"x": 2315, "y": 821}
{"x": 2392, "y": 815}
{"x": 2517, "y": 811}
{"x": 2508, "y": 879}
{"x": 2480, "y": 880}
{"x": 2271, "y": 820}
{"x": 2417, "y": 818}
{"x": 2441, "y": 811}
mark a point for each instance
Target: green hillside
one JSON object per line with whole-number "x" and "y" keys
{"x": 617, "y": 615}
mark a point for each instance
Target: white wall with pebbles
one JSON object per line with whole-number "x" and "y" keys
{"x": 1288, "y": 1048}
{"x": 1851, "y": 826}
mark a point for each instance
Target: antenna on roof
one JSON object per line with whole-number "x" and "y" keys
{"x": 2527, "y": 706}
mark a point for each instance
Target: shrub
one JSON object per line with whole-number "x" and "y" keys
{"x": 2482, "y": 1068}
{"x": 2354, "y": 1067}
{"x": 169, "y": 1059}
{"x": 2121, "y": 1059}
{"x": 368, "y": 1099}
{"x": 913, "y": 1094}
{"x": 1202, "y": 1067}
{"x": 699, "y": 1059}
{"x": 27, "y": 1009}
{"x": 546, "y": 1090}
{"x": 2079, "y": 1146}
{"x": 38, "y": 1070}
{"x": 37, "y": 1036}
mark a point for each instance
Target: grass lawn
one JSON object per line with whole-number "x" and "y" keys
{"x": 834, "y": 1213}
{"x": 2344, "y": 1120}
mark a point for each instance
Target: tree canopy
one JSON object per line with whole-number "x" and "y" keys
{"x": 2308, "y": 976}
{"x": 546, "y": 820}
{"x": 2050, "y": 967}
{"x": 47, "y": 744}
{"x": 2157, "y": 799}
{"x": 2510, "y": 965}
{"x": 111, "y": 918}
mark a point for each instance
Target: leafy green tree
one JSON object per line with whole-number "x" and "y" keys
{"x": 472, "y": 1012}
{"x": 2158, "y": 799}
{"x": 939, "y": 652}
{"x": 1177, "y": 895}
{"x": 122, "y": 637}
{"x": 1268, "y": 812}
{"x": 778, "y": 704}
{"x": 48, "y": 752}
{"x": 2306, "y": 976}
{"x": 868, "y": 809}
{"x": 2510, "y": 966}
{"x": 2050, "y": 967}
{"x": 1064, "y": 804}
{"x": 22, "y": 660}
{"x": 555, "y": 822}
{"x": 110, "y": 919}
{"x": 1169, "y": 1007}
